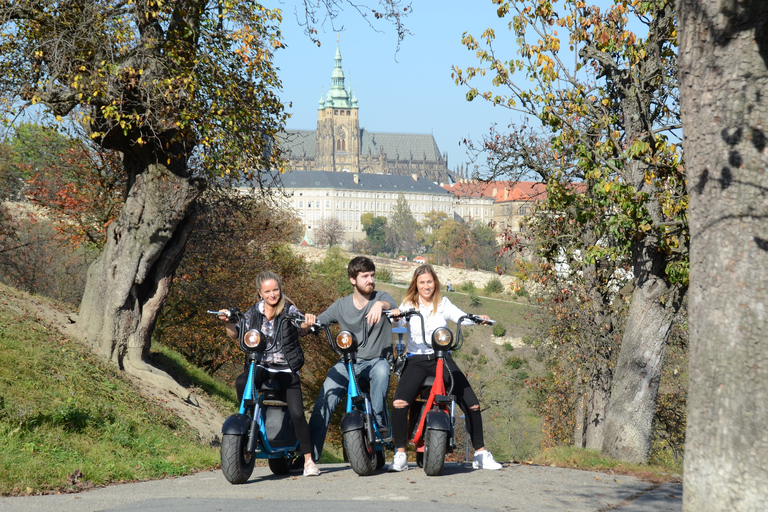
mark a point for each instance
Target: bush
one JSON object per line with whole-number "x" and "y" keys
{"x": 384, "y": 275}
{"x": 467, "y": 287}
{"x": 499, "y": 330}
{"x": 493, "y": 286}
{"x": 474, "y": 301}
{"x": 522, "y": 292}
{"x": 514, "y": 362}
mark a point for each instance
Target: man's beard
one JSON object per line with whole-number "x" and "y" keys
{"x": 370, "y": 290}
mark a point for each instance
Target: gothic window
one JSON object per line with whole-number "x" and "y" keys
{"x": 341, "y": 142}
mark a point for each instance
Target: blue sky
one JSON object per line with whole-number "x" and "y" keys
{"x": 410, "y": 91}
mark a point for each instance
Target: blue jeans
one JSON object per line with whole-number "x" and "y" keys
{"x": 374, "y": 371}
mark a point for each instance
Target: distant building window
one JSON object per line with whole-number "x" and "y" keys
{"x": 327, "y": 204}
{"x": 301, "y": 204}
{"x": 309, "y": 204}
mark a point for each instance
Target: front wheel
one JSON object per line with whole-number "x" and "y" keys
{"x": 236, "y": 462}
{"x": 435, "y": 442}
{"x": 361, "y": 453}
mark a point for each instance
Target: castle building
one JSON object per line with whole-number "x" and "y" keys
{"x": 340, "y": 145}
{"x": 320, "y": 195}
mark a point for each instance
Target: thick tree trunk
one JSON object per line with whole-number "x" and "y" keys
{"x": 724, "y": 91}
{"x": 629, "y": 417}
{"x": 128, "y": 284}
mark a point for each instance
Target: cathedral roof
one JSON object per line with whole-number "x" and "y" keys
{"x": 405, "y": 146}
{"x": 362, "y": 182}
{"x": 418, "y": 146}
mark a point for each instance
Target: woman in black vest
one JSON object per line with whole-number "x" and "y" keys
{"x": 284, "y": 359}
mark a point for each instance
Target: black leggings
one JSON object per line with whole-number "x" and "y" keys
{"x": 417, "y": 368}
{"x": 291, "y": 383}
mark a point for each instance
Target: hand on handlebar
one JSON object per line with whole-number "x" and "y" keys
{"x": 309, "y": 321}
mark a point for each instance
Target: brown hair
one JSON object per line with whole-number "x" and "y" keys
{"x": 360, "y": 264}
{"x": 412, "y": 293}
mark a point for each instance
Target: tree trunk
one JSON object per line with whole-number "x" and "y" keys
{"x": 630, "y": 412}
{"x": 599, "y": 393}
{"x": 128, "y": 284}
{"x": 724, "y": 91}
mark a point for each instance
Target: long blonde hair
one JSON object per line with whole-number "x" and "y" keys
{"x": 412, "y": 293}
{"x": 269, "y": 276}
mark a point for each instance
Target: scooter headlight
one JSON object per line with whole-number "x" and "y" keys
{"x": 442, "y": 338}
{"x": 253, "y": 339}
{"x": 346, "y": 341}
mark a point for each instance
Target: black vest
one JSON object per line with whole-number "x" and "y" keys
{"x": 285, "y": 333}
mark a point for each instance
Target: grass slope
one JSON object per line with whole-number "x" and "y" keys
{"x": 69, "y": 420}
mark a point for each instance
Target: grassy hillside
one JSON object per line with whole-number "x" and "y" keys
{"x": 69, "y": 420}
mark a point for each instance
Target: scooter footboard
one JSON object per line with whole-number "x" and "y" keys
{"x": 236, "y": 424}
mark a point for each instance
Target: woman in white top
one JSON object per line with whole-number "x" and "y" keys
{"x": 424, "y": 294}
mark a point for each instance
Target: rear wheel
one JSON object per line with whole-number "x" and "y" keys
{"x": 236, "y": 462}
{"x": 435, "y": 443}
{"x": 361, "y": 453}
{"x": 279, "y": 466}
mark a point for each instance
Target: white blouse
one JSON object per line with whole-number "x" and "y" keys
{"x": 446, "y": 310}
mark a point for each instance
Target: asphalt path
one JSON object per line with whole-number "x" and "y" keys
{"x": 516, "y": 487}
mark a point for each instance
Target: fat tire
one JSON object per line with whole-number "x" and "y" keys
{"x": 435, "y": 443}
{"x": 279, "y": 466}
{"x": 362, "y": 455}
{"x": 236, "y": 463}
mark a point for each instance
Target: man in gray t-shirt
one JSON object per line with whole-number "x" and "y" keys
{"x": 361, "y": 314}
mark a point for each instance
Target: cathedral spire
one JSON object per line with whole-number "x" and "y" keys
{"x": 338, "y": 95}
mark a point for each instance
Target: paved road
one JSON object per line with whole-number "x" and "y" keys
{"x": 514, "y": 488}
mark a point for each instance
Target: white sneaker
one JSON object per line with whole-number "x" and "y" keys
{"x": 310, "y": 469}
{"x": 484, "y": 460}
{"x": 399, "y": 462}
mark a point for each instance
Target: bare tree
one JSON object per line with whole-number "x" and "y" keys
{"x": 330, "y": 232}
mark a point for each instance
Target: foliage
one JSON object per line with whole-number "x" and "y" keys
{"x": 383, "y": 275}
{"x": 333, "y": 270}
{"x": 34, "y": 258}
{"x": 375, "y": 232}
{"x": 402, "y": 228}
{"x": 65, "y": 410}
{"x": 163, "y": 78}
{"x": 499, "y": 330}
{"x": 219, "y": 269}
{"x": 81, "y": 186}
{"x": 474, "y": 300}
{"x": 330, "y": 232}
{"x": 592, "y": 460}
{"x": 467, "y": 287}
{"x": 493, "y": 286}
{"x": 606, "y": 148}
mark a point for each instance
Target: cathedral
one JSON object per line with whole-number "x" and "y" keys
{"x": 339, "y": 145}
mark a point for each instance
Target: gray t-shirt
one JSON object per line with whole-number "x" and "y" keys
{"x": 379, "y": 336}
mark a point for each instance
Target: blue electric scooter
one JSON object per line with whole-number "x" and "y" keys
{"x": 262, "y": 428}
{"x": 364, "y": 441}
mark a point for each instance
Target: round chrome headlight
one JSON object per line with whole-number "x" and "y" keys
{"x": 252, "y": 338}
{"x": 442, "y": 338}
{"x": 345, "y": 340}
